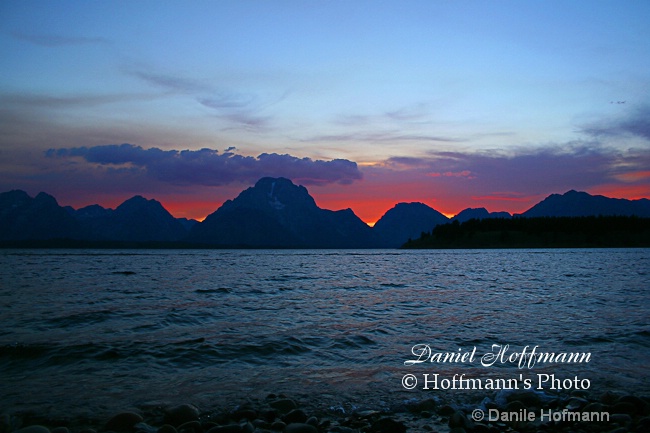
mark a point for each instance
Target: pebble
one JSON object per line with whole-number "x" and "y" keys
{"x": 5, "y": 423}
{"x": 283, "y": 405}
{"x": 167, "y": 429}
{"x": 620, "y": 419}
{"x": 278, "y": 425}
{"x": 528, "y": 398}
{"x": 262, "y": 424}
{"x": 575, "y": 403}
{"x": 179, "y": 415}
{"x": 341, "y": 429}
{"x": 122, "y": 422}
{"x": 642, "y": 406}
{"x": 446, "y": 410}
{"x": 624, "y": 407}
{"x": 295, "y": 416}
{"x": 459, "y": 419}
{"x": 33, "y": 429}
{"x": 300, "y": 428}
{"x": 643, "y": 425}
{"x": 230, "y": 428}
{"x": 143, "y": 427}
{"x": 428, "y": 405}
{"x": 280, "y": 414}
{"x": 388, "y": 425}
{"x": 245, "y": 413}
{"x": 190, "y": 427}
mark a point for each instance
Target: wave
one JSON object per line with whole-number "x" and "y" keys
{"x": 192, "y": 352}
{"x": 217, "y": 290}
{"x": 80, "y": 319}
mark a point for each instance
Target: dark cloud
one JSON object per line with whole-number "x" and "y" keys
{"x": 174, "y": 83}
{"x": 529, "y": 171}
{"x": 415, "y": 112}
{"x": 33, "y": 100}
{"x": 248, "y": 121}
{"x": 51, "y": 40}
{"x": 222, "y": 101}
{"x": 208, "y": 167}
{"x": 636, "y": 123}
{"x": 412, "y": 114}
{"x": 241, "y": 110}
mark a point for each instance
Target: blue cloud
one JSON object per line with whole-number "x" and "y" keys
{"x": 210, "y": 168}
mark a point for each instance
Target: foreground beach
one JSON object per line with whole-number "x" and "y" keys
{"x": 504, "y": 411}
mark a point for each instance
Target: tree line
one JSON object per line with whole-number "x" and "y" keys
{"x": 538, "y": 232}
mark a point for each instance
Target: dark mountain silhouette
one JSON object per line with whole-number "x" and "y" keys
{"x": 479, "y": 214}
{"x": 407, "y": 221}
{"x": 277, "y": 213}
{"x": 187, "y": 223}
{"x": 89, "y": 212}
{"x": 135, "y": 220}
{"x": 575, "y": 204}
{"x": 273, "y": 213}
{"x": 41, "y": 217}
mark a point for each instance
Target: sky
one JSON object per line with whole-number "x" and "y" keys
{"x": 454, "y": 104}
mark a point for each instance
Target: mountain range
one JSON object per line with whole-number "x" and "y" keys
{"x": 274, "y": 213}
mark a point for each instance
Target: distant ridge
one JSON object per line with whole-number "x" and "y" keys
{"x": 41, "y": 218}
{"x": 274, "y": 213}
{"x": 137, "y": 220}
{"x": 479, "y": 214}
{"x": 578, "y": 204}
{"x": 407, "y": 221}
{"x": 23, "y": 217}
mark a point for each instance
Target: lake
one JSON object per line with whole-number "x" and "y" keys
{"x": 98, "y": 331}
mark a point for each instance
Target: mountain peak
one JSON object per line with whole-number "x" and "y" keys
{"x": 14, "y": 199}
{"x": 479, "y": 214}
{"x": 579, "y": 203}
{"x": 45, "y": 199}
{"x": 274, "y": 195}
{"x": 407, "y": 220}
{"x": 277, "y": 213}
{"x": 268, "y": 181}
{"x": 137, "y": 202}
{"x": 41, "y": 217}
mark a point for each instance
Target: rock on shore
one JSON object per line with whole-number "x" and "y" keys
{"x": 282, "y": 414}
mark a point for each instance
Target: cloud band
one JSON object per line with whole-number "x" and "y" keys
{"x": 208, "y": 167}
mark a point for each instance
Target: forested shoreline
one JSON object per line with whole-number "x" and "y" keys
{"x": 541, "y": 232}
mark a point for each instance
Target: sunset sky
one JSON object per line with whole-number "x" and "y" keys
{"x": 455, "y": 104}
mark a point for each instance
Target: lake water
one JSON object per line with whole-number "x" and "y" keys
{"x": 99, "y": 331}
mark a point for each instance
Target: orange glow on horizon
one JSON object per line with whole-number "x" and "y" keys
{"x": 630, "y": 192}
{"x": 370, "y": 201}
{"x": 196, "y": 210}
{"x": 370, "y": 209}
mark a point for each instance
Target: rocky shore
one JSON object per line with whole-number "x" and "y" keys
{"x": 514, "y": 411}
